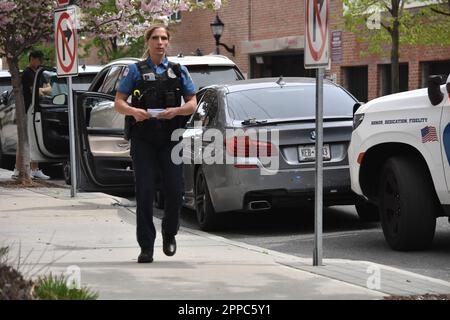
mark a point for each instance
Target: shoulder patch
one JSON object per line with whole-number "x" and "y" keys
{"x": 171, "y": 73}
{"x": 187, "y": 73}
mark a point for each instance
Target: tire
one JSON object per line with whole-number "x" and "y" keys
{"x": 207, "y": 218}
{"x": 367, "y": 211}
{"x": 408, "y": 204}
{"x": 66, "y": 172}
{"x": 159, "y": 200}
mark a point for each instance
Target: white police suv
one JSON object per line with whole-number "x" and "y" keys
{"x": 399, "y": 159}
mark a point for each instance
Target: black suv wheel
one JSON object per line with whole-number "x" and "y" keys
{"x": 408, "y": 204}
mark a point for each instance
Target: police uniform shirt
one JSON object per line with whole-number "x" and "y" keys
{"x": 133, "y": 74}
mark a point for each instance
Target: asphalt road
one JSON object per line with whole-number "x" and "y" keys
{"x": 344, "y": 237}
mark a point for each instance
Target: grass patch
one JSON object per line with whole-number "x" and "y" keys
{"x": 56, "y": 288}
{"x": 15, "y": 286}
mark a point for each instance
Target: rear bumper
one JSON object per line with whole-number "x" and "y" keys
{"x": 285, "y": 198}
{"x": 233, "y": 189}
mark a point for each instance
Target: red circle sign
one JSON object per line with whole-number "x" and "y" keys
{"x": 317, "y": 54}
{"x": 65, "y": 44}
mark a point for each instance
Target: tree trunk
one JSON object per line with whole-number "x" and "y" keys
{"x": 395, "y": 36}
{"x": 114, "y": 46}
{"x": 23, "y": 147}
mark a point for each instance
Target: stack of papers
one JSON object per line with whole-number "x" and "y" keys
{"x": 154, "y": 112}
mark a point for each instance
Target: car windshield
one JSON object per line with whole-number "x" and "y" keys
{"x": 288, "y": 103}
{"x": 5, "y": 84}
{"x": 204, "y": 75}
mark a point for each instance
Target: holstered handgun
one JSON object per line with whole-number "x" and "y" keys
{"x": 129, "y": 123}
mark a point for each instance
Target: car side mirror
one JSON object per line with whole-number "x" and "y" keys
{"x": 434, "y": 89}
{"x": 60, "y": 99}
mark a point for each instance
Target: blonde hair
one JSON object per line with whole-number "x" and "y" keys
{"x": 147, "y": 35}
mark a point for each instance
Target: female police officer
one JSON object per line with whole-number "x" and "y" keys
{"x": 156, "y": 84}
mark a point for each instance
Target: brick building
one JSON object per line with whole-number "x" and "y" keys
{"x": 269, "y": 40}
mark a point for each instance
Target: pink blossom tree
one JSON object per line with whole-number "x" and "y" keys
{"x": 24, "y": 24}
{"x": 123, "y": 22}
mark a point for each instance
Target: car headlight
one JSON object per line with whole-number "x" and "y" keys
{"x": 357, "y": 120}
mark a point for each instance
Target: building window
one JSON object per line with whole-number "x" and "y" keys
{"x": 286, "y": 64}
{"x": 356, "y": 81}
{"x": 385, "y": 78}
{"x": 429, "y": 68}
{"x": 176, "y": 16}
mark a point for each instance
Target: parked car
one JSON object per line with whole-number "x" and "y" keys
{"x": 5, "y": 91}
{"x": 400, "y": 160}
{"x": 209, "y": 69}
{"x": 285, "y": 106}
{"x": 106, "y": 154}
{"x": 5, "y": 82}
{"x": 47, "y": 121}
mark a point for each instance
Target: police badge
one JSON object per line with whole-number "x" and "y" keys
{"x": 149, "y": 77}
{"x": 171, "y": 74}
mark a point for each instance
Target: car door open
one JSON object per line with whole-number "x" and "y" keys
{"x": 104, "y": 155}
{"x": 48, "y": 127}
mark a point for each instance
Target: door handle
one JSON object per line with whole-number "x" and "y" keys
{"x": 123, "y": 145}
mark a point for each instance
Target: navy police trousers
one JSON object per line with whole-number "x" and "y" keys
{"x": 151, "y": 160}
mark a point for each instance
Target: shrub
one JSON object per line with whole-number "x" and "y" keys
{"x": 13, "y": 286}
{"x": 56, "y": 288}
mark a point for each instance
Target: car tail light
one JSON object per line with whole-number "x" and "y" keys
{"x": 244, "y": 146}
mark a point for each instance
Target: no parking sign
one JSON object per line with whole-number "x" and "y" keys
{"x": 316, "y": 34}
{"x": 63, "y": 2}
{"x": 67, "y": 66}
{"x": 317, "y": 57}
{"x": 66, "y": 42}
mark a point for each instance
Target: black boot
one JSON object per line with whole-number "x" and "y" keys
{"x": 146, "y": 256}
{"x": 169, "y": 245}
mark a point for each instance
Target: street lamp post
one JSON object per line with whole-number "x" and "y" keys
{"x": 217, "y": 29}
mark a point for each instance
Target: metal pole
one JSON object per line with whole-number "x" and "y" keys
{"x": 73, "y": 173}
{"x": 317, "y": 256}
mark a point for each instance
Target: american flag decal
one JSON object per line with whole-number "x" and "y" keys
{"x": 428, "y": 134}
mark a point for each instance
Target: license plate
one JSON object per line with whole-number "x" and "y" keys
{"x": 308, "y": 153}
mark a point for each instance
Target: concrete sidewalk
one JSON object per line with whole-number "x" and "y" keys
{"x": 96, "y": 233}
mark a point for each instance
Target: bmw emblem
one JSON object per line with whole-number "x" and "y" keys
{"x": 312, "y": 134}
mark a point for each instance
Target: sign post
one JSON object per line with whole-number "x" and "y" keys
{"x": 67, "y": 66}
{"x": 317, "y": 57}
